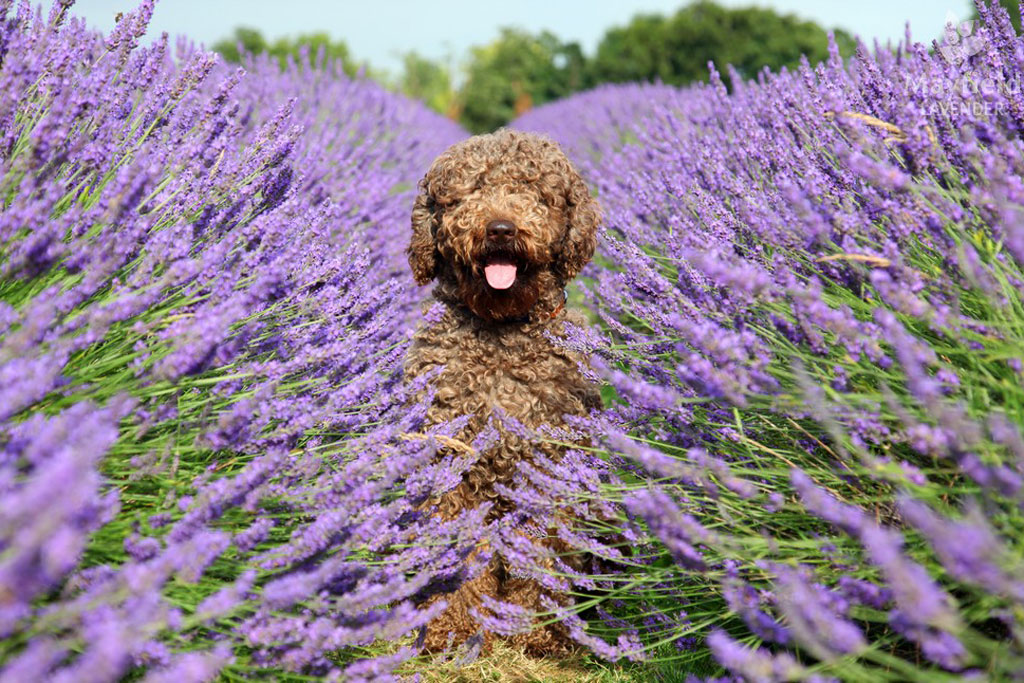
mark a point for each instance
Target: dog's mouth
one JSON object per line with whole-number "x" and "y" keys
{"x": 500, "y": 271}
{"x": 500, "y": 282}
{"x": 501, "y": 266}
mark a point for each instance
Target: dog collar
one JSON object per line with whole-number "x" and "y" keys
{"x": 556, "y": 311}
{"x": 545, "y": 316}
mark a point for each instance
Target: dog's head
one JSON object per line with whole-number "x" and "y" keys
{"x": 502, "y": 219}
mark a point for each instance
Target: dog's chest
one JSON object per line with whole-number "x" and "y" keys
{"x": 524, "y": 374}
{"x": 509, "y": 369}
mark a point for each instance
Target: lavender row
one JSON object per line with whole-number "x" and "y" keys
{"x": 810, "y": 301}
{"x": 208, "y": 462}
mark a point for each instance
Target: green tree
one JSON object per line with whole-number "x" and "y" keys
{"x": 516, "y": 71}
{"x": 677, "y": 49}
{"x": 244, "y": 41}
{"x": 1011, "y": 6}
{"x": 253, "y": 42}
{"x": 427, "y": 81}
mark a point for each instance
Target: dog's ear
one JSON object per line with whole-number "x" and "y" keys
{"x": 423, "y": 256}
{"x": 583, "y": 217}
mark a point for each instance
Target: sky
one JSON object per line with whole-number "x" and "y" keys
{"x": 380, "y": 31}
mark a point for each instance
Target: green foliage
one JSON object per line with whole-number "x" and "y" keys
{"x": 519, "y": 70}
{"x": 677, "y": 49}
{"x": 427, "y": 81}
{"x": 252, "y": 42}
{"x": 515, "y": 72}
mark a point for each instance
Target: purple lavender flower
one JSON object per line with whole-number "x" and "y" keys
{"x": 817, "y": 616}
{"x": 752, "y": 664}
{"x": 968, "y": 548}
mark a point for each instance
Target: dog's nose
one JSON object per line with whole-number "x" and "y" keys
{"x": 500, "y": 230}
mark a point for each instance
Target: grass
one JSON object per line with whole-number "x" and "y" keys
{"x": 505, "y": 664}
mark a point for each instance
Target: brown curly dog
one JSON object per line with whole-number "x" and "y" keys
{"x": 502, "y": 222}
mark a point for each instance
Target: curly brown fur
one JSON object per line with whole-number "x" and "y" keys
{"x": 494, "y": 344}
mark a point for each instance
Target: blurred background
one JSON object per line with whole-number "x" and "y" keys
{"x": 482, "y": 64}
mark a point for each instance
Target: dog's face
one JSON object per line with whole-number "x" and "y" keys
{"x": 502, "y": 218}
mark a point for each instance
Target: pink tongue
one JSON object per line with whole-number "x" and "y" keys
{"x": 500, "y": 275}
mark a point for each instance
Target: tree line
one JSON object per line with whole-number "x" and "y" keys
{"x": 518, "y": 69}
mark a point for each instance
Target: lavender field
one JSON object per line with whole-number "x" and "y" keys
{"x": 807, "y": 313}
